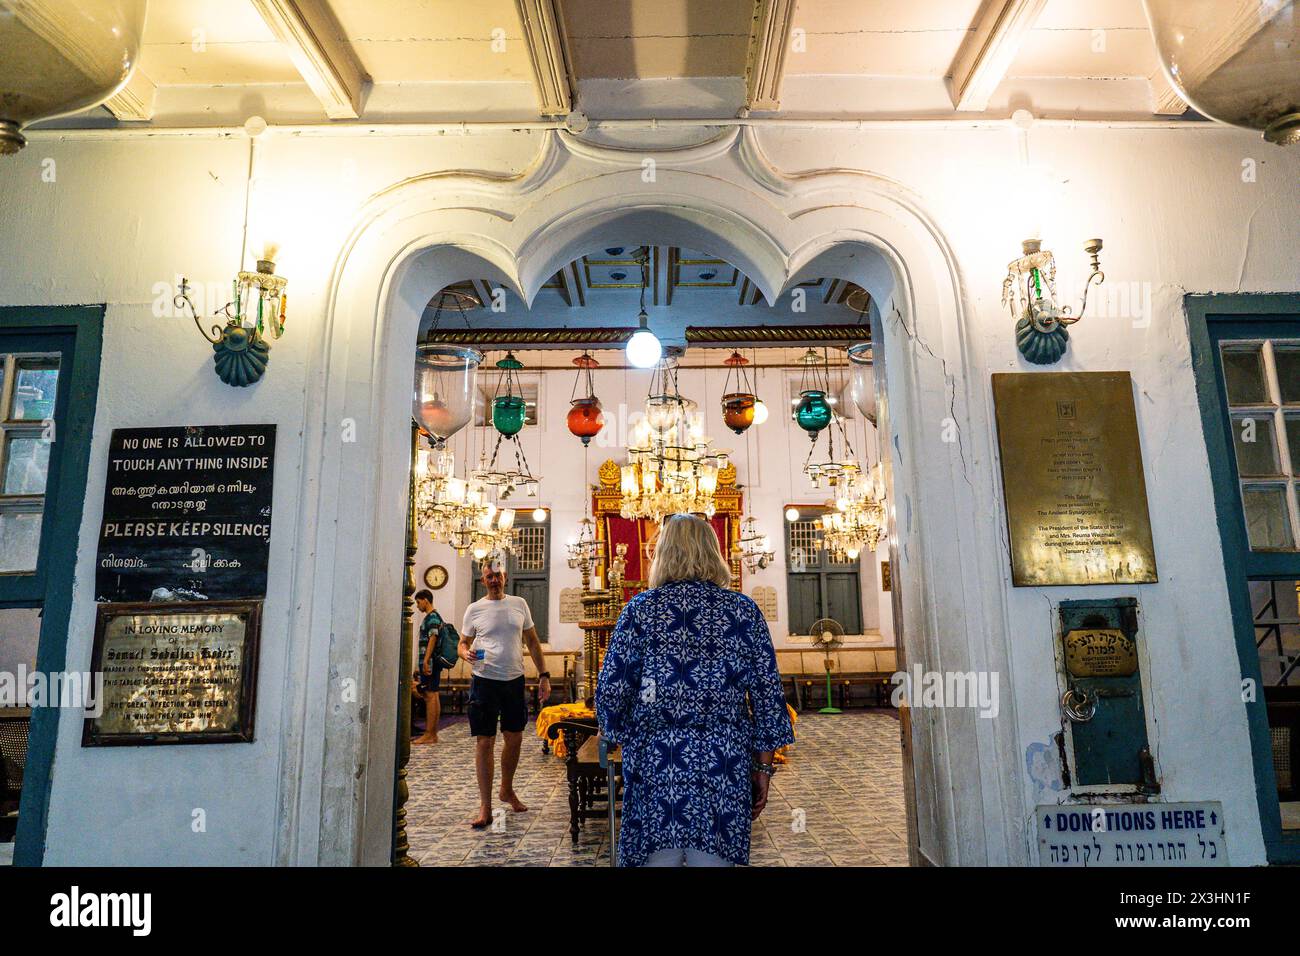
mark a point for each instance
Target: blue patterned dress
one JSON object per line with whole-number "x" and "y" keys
{"x": 690, "y": 689}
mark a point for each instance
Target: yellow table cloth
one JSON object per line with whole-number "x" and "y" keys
{"x": 550, "y": 715}
{"x": 557, "y": 712}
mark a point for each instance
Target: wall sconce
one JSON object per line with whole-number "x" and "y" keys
{"x": 240, "y": 352}
{"x": 1029, "y": 291}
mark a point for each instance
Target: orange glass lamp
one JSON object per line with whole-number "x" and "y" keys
{"x": 739, "y": 403}
{"x": 585, "y": 419}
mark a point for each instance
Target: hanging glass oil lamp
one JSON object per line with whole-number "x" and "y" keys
{"x": 739, "y": 401}
{"x": 1233, "y": 62}
{"x": 665, "y": 408}
{"x": 509, "y": 410}
{"x": 444, "y": 389}
{"x": 585, "y": 419}
{"x": 813, "y": 410}
{"x": 62, "y": 58}
{"x": 509, "y": 414}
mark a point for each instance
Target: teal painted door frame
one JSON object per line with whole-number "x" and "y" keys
{"x": 78, "y": 332}
{"x": 1210, "y": 318}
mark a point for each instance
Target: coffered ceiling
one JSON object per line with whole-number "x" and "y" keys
{"x": 685, "y": 288}
{"x": 211, "y": 62}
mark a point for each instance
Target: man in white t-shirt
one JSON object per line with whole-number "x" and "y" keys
{"x": 491, "y": 640}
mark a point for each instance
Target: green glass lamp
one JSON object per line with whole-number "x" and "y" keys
{"x": 509, "y": 410}
{"x": 813, "y": 413}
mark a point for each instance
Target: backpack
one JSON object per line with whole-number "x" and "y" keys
{"x": 446, "y": 653}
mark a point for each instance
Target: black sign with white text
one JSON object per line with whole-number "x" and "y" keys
{"x": 188, "y": 510}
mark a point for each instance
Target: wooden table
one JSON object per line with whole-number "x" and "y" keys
{"x": 550, "y": 715}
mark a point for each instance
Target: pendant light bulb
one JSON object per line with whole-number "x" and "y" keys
{"x": 760, "y": 411}
{"x": 644, "y": 349}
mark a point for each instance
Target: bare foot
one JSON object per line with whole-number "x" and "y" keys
{"x": 425, "y": 739}
{"x": 511, "y": 798}
{"x": 483, "y": 819}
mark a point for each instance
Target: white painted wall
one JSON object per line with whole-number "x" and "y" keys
{"x": 124, "y": 217}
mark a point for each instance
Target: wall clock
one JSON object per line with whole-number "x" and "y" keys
{"x": 435, "y": 576}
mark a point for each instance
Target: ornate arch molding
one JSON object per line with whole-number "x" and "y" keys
{"x": 416, "y": 236}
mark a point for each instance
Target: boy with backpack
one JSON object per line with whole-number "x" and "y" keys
{"x": 435, "y": 637}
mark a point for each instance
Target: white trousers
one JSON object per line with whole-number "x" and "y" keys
{"x": 677, "y": 857}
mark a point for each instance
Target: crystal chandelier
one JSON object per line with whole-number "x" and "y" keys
{"x": 753, "y": 549}
{"x": 456, "y": 511}
{"x": 833, "y": 470}
{"x": 857, "y": 518}
{"x": 672, "y": 467}
{"x": 583, "y": 550}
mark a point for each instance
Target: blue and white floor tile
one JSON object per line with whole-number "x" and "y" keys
{"x": 838, "y": 802}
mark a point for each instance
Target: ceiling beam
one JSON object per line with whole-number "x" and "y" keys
{"x": 566, "y": 290}
{"x": 545, "y": 43}
{"x": 986, "y": 53}
{"x": 1239, "y": 24}
{"x": 769, "y": 40}
{"x": 134, "y": 102}
{"x": 322, "y": 55}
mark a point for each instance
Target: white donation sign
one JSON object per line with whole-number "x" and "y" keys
{"x": 1132, "y": 834}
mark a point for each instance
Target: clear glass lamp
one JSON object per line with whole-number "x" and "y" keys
{"x": 1235, "y": 61}
{"x": 62, "y": 56}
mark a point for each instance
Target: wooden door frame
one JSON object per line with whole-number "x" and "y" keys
{"x": 60, "y": 533}
{"x": 1203, "y": 311}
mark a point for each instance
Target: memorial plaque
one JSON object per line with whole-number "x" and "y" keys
{"x": 186, "y": 509}
{"x": 175, "y": 673}
{"x": 570, "y": 605}
{"x": 1072, "y": 478}
{"x": 765, "y": 597}
{"x": 1100, "y": 652}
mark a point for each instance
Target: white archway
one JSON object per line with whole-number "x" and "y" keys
{"x": 420, "y": 235}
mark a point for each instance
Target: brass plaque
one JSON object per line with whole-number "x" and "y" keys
{"x": 175, "y": 673}
{"x": 1072, "y": 477}
{"x": 1100, "y": 652}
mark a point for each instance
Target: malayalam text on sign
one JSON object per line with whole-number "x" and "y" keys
{"x": 187, "y": 509}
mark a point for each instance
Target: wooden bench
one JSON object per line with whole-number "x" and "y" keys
{"x": 860, "y": 676}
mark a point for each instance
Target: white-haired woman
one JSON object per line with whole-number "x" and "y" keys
{"x": 690, "y": 689}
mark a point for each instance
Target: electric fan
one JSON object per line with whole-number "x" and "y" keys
{"x": 828, "y": 634}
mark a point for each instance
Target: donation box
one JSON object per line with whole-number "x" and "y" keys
{"x": 1102, "y": 705}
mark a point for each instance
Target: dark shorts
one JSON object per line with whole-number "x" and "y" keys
{"x": 490, "y": 700}
{"x": 429, "y": 683}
